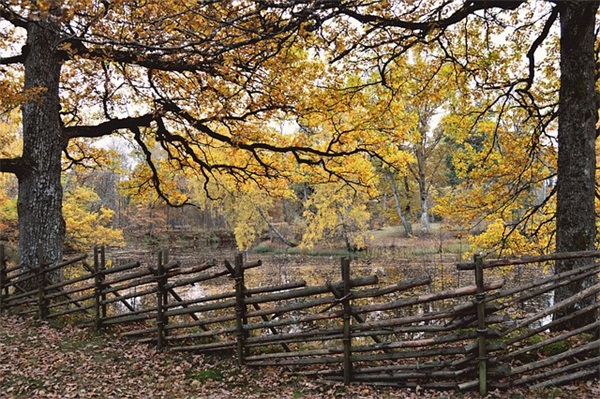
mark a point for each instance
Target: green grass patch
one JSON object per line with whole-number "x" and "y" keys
{"x": 75, "y": 345}
{"x": 262, "y": 249}
{"x": 555, "y": 348}
{"x": 212, "y": 374}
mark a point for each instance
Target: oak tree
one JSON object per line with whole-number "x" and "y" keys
{"x": 191, "y": 78}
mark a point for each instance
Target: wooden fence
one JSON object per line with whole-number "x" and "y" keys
{"x": 480, "y": 336}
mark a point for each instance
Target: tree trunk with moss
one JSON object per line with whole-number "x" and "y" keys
{"x": 41, "y": 225}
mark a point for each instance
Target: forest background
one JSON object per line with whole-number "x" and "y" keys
{"x": 429, "y": 168}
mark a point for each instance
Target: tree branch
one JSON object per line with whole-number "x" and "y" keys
{"x": 534, "y": 46}
{"x": 15, "y": 59}
{"x": 426, "y": 27}
{"x": 16, "y": 20}
{"x": 155, "y": 178}
{"x": 81, "y": 160}
{"x": 275, "y": 230}
{"x": 253, "y": 147}
{"x": 108, "y": 127}
{"x": 12, "y": 165}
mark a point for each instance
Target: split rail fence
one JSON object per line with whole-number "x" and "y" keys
{"x": 479, "y": 336}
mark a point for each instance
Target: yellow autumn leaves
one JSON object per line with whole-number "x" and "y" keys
{"x": 280, "y": 124}
{"x": 88, "y": 222}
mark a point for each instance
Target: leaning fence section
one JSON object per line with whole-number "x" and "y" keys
{"x": 481, "y": 336}
{"x": 528, "y": 344}
{"x": 50, "y": 291}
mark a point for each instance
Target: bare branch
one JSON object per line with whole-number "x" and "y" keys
{"x": 7, "y": 14}
{"x": 15, "y": 59}
{"x": 155, "y": 178}
{"x": 12, "y": 165}
{"x": 109, "y": 127}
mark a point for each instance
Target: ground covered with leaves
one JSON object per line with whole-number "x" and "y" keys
{"x": 38, "y": 360}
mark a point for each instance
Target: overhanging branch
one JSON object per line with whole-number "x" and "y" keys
{"x": 15, "y": 59}
{"x": 109, "y": 127}
{"x": 12, "y": 165}
{"x": 255, "y": 146}
{"x": 155, "y": 177}
{"x": 426, "y": 27}
{"x": 16, "y": 20}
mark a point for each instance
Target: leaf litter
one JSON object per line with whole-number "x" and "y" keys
{"x": 38, "y": 360}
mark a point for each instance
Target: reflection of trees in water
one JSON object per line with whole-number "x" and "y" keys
{"x": 390, "y": 266}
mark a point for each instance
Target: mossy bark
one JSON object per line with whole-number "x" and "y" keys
{"x": 41, "y": 225}
{"x": 578, "y": 115}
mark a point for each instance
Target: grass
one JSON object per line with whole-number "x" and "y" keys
{"x": 214, "y": 374}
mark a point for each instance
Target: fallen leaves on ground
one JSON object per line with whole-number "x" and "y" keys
{"x": 40, "y": 361}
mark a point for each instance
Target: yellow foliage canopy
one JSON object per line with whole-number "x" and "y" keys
{"x": 88, "y": 224}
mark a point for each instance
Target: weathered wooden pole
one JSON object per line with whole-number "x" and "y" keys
{"x": 481, "y": 326}
{"x": 347, "y": 340}
{"x": 256, "y": 306}
{"x": 102, "y": 277}
{"x": 2, "y": 276}
{"x": 240, "y": 307}
{"x": 97, "y": 291}
{"x": 161, "y": 292}
{"x": 42, "y": 300}
{"x": 165, "y": 294}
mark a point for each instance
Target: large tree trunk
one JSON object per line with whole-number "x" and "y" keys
{"x": 41, "y": 225}
{"x": 575, "y": 216}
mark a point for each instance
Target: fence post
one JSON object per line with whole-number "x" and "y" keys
{"x": 481, "y": 326}
{"x": 161, "y": 298}
{"x": 42, "y": 300}
{"x": 240, "y": 307}
{"x": 2, "y": 276}
{"x": 102, "y": 277}
{"x": 347, "y": 340}
{"x": 98, "y": 287}
{"x": 165, "y": 295}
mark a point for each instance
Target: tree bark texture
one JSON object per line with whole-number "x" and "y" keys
{"x": 575, "y": 215}
{"x": 41, "y": 224}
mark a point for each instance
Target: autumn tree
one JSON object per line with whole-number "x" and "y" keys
{"x": 331, "y": 206}
{"x": 88, "y": 223}
{"x": 417, "y": 99}
{"x": 502, "y": 185}
{"x": 9, "y": 146}
{"x": 469, "y": 35}
{"x": 193, "y": 79}
{"x": 206, "y": 77}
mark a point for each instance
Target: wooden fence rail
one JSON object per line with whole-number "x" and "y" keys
{"x": 481, "y": 336}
